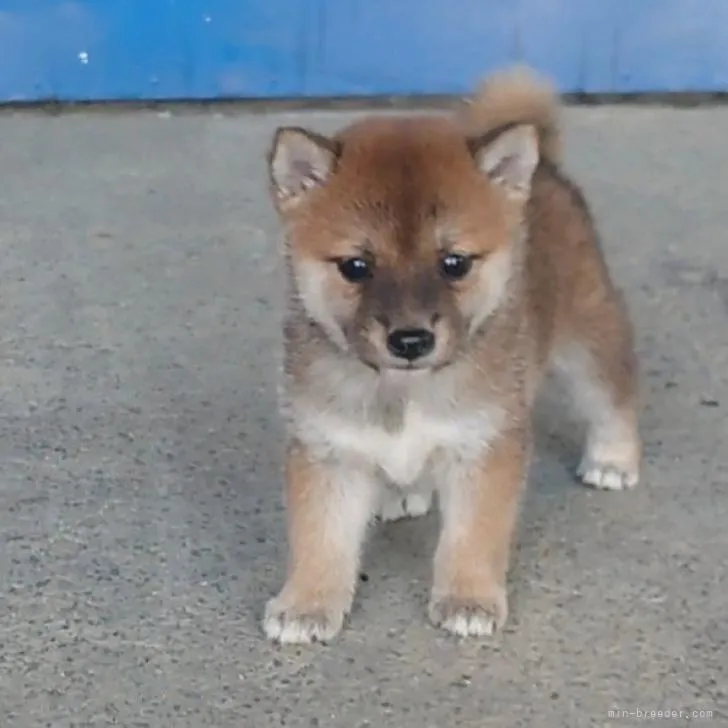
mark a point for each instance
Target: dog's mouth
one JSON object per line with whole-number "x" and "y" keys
{"x": 413, "y": 368}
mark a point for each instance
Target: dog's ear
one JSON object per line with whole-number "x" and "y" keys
{"x": 299, "y": 160}
{"x": 509, "y": 158}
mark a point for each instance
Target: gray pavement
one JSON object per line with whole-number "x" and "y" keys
{"x": 141, "y": 524}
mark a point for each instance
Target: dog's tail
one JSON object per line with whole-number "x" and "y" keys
{"x": 516, "y": 95}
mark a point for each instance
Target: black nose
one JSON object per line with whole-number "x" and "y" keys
{"x": 410, "y": 344}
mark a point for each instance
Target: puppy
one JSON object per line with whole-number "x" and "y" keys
{"x": 438, "y": 267}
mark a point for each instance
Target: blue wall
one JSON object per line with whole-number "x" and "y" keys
{"x": 162, "y": 49}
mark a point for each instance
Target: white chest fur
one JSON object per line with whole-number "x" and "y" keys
{"x": 403, "y": 454}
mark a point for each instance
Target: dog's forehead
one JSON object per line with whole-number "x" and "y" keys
{"x": 400, "y": 176}
{"x": 389, "y": 151}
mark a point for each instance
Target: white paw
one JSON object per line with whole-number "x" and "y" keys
{"x": 395, "y": 505}
{"x": 606, "y": 475}
{"x": 293, "y": 625}
{"x": 469, "y": 618}
{"x": 611, "y": 459}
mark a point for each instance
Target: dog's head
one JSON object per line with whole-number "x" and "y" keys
{"x": 401, "y": 231}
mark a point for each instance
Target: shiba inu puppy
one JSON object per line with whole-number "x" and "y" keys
{"x": 438, "y": 267}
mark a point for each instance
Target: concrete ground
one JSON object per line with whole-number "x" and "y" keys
{"x": 140, "y": 500}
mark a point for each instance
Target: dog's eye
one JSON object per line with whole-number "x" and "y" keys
{"x": 354, "y": 270}
{"x": 455, "y": 266}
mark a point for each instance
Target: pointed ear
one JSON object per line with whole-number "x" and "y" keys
{"x": 298, "y": 161}
{"x": 509, "y": 158}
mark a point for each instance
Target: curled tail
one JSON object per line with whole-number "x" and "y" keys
{"x": 516, "y": 96}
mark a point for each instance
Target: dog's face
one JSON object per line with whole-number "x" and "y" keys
{"x": 401, "y": 231}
